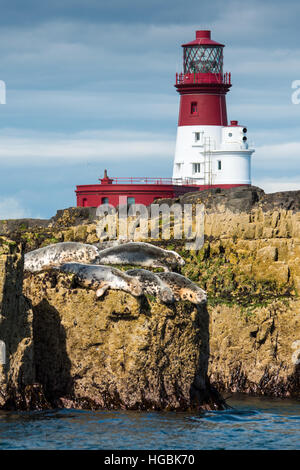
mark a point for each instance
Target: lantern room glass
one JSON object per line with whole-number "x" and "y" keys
{"x": 203, "y": 59}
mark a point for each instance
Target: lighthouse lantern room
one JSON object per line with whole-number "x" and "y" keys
{"x": 209, "y": 152}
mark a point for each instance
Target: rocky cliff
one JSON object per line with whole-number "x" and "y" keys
{"x": 66, "y": 348}
{"x": 17, "y": 373}
{"x": 119, "y": 351}
{"x": 256, "y": 353}
{"x": 249, "y": 265}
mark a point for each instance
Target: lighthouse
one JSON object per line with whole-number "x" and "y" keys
{"x": 209, "y": 150}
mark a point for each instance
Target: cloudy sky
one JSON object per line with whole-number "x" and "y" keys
{"x": 90, "y": 86}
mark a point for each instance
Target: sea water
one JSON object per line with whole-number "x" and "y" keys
{"x": 251, "y": 423}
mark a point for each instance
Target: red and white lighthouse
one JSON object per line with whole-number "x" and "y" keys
{"x": 209, "y": 152}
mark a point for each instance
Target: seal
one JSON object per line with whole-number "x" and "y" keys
{"x": 100, "y": 278}
{"x": 141, "y": 254}
{"x": 153, "y": 285}
{"x": 58, "y": 253}
{"x": 183, "y": 288}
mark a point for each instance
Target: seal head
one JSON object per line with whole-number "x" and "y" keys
{"x": 183, "y": 288}
{"x": 153, "y": 285}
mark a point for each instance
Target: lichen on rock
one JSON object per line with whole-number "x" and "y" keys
{"x": 256, "y": 355}
{"x": 119, "y": 351}
{"x": 67, "y": 348}
{"x": 249, "y": 266}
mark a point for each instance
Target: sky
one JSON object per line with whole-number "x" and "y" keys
{"x": 90, "y": 85}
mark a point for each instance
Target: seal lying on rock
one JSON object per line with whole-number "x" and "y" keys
{"x": 183, "y": 288}
{"x": 141, "y": 254}
{"x": 152, "y": 284}
{"x": 58, "y": 253}
{"x": 101, "y": 278}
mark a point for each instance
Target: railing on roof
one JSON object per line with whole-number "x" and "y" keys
{"x": 202, "y": 78}
{"x": 151, "y": 180}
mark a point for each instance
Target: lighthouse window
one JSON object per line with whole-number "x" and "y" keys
{"x": 230, "y": 134}
{"x": 219, "y": 165}
{"x": 197, "y": 136}
{"x": 193, "y": 107}
{"x": 203, "y": 59}
{"x": 197, "y": 167}
{"x": 104, "y": 200}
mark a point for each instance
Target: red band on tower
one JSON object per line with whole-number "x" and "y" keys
{"x": 202, "y": 85}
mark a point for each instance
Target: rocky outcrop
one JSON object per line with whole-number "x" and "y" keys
{"x": 66, "y": 348}
{"x": 17, "y": 374}
{"x": 250, "y": 268}
{"x": 118, "y": 352}
{"x": 257, "y": 353}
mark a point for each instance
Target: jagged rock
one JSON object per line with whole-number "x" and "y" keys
{"x": 16, "y": 317}
{"x": 256, "y": 353}
{"x": 12, "y": 225}
{"x": 118, "y": 352}
{"x": 64, "y": 347}
{"x": 251, "y": 258}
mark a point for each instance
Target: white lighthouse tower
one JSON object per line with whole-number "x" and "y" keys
{"x": 209, "y": 152}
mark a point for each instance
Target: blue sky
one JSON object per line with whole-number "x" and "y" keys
{"x": 90, "y": 86}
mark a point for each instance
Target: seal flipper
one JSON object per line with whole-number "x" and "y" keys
{"x": 102, "y": 289}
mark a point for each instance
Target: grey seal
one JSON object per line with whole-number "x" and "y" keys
{"x": 141, "y": 254}
{"x": 100, "y": 278}
{"x": 183, "y": 288}
{"x": 58, "y": 253}
{"x": 153, "y": 285}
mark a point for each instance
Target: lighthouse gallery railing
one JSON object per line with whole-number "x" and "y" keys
{"x": 198, "y": 78}
{"x": 152, "y": 180}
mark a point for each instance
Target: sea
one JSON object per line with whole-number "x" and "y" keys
{"x": 250, "y": 423}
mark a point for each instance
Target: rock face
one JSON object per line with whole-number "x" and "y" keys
{"x": 250, "y": 268}
{"x": 258, "y": 353}
{"x": 119, "y": 352}
{"x": 17, "y": 374}
{"x": 66, "y": 348}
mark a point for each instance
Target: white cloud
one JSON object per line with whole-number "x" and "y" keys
{"x": 283, "y": 156}
{"x": 262, "y": 62}
{"x": 11, "y": 208}
{"x": 48, "y": 149}
{"x": 116, "y": 105}
{"x": 90, "y": 51}
{"x": 280, "y": 184}
{"x": 268, "y": 113}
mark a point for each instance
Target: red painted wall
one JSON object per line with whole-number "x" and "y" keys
{"x": 210, "y": 110}
{"x": 91, "y": 195}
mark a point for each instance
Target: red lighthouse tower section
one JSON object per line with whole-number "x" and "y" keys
{"x": 203, "y": 78}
